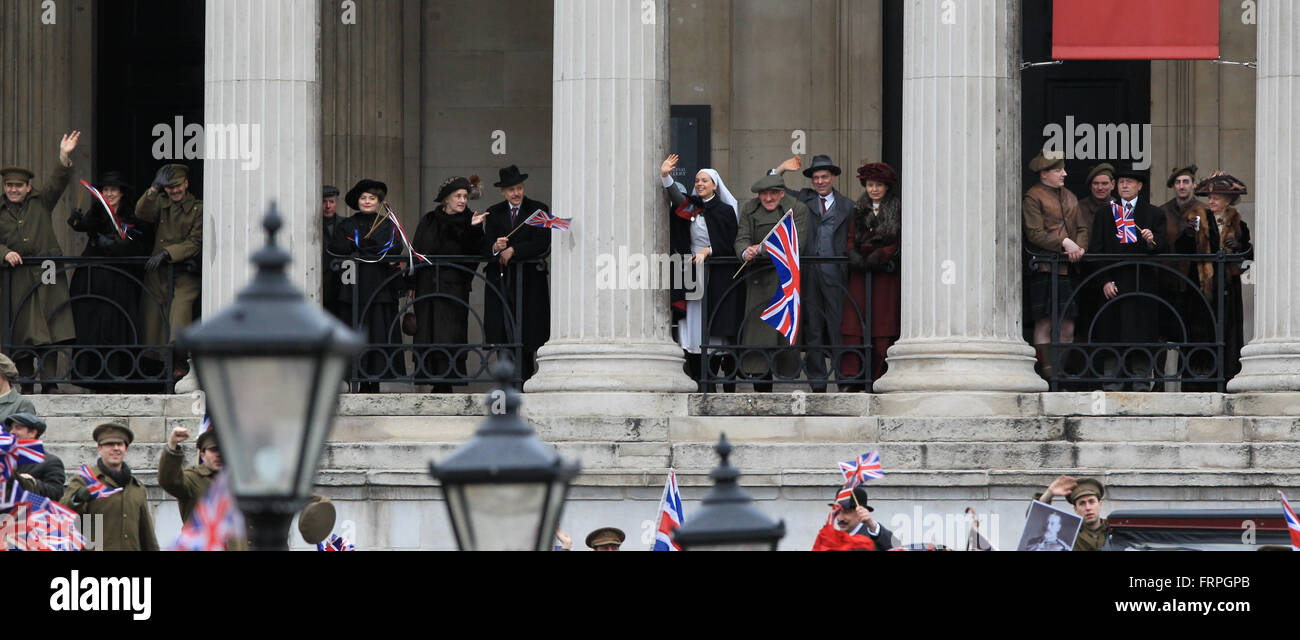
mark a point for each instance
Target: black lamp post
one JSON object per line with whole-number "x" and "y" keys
{"x": 728, "y": 519}
{"x": 270, "y": 365}
{"x": 505, "y": 488}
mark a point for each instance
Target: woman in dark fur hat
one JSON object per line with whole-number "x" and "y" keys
{"x": 1222, "y": 192}
{"x": 875, "y": 238}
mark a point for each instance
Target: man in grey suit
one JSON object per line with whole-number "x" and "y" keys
{"x": 823, "y": 285}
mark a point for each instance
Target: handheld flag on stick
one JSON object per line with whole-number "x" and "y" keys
{"x": 545, "y": 220}
{"x": 671, "y": 515}
{"x": 788, "y": 212}
{"x": 93, "y": 484}
{"x": 864, "y": 467}
{"x": 336, "y": 543}
{"x": 1292, "y": 522}
{"x": 411, "y": 253}
{"x": 112, "y": 215}
{"x": 215, "y": 519}
{"x": 783, "y": 247}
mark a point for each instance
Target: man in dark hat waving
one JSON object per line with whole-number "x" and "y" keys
{"x": 526, "y": 243}
{"x": 855, "y": 518}
{"x": 179, "y": 239}
{"x": 40, "y": 311}
{"x": 822, "y": 293}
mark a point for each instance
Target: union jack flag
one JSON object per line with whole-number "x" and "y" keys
{"x": 336, "y": 543}
{"x": 14, "y": 452}
{"x": 865, "y": 467}
{"x": 49, "y": 525}
{"x": 215, "y": 519}
{"x": 544, "y": 220}
{"x": 671, "y": 515}
{"x": 94, "y": 485}
{"x": 1292, "y": 522}
{"x": 783, "y": 247}
{"x": 1125, "y": 226}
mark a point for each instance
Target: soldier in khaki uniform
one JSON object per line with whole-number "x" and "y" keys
{"x": 1086, "y": 496}
{"x": 128, "y": 525}
{"x": 179, "y": 216}
{"x": 188, "y": 485}
{"x": 26, "y": 231}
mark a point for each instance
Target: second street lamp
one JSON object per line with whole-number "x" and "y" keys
{"x": 728, "y": 520}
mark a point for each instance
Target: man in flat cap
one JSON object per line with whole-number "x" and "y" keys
{"x": 527, "y": 243}
{"x": 855, "y": 518}
{"x": 128, "y": 525}
{"x": 757, "y": 219}
{"x": 178, "y": 242}
{"x": 1130, "y": 226}
{"x": 822, "y": 290}
{"x": 11, "y": 401}
{"x": 1086, "y": 496}
{"x": 1053, "y": 224}
{"x": 605, "y": 539}
{"x": 44, "y": 478}
{"x": 40, "y": 311}
{"x": 331, "y": 278}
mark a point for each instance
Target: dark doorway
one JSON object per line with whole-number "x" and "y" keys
{"x": 1092, "y": 92}
{"x": 149, "y": 72}
{"x": 892, "y": 89}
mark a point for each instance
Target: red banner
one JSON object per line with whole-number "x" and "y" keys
{"x": 1135, "y": 30}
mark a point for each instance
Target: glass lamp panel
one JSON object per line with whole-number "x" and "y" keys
{"x": 262, "y": 418}
{"x": 554, "y": 506}
{"x": 324, "y": 403}
{"x": 504, "y": 517}
{"x": 455, "y": 496}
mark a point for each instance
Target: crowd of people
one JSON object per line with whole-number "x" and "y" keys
{"x": 1144, "y": 312}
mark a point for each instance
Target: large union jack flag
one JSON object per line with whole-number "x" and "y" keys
{"x": 46, "y": 525}
{"x": 865, "y": 467}
{"x": 1125, "y": 226}
{"x": 782, "y": 246}
{"x": 14, "y": 452}
{"x": 544, "y": 220}
{"x": 215, "y": 519}
{"x": 671, "y": 515}
{"x": 1292, "y": 522}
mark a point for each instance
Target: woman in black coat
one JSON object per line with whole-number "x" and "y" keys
{"x": 368, "y": 237}
{"x": 442, "y": 290}
{"x": 105, "y": 297}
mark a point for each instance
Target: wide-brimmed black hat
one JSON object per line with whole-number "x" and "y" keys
{"x": 1130, "y": 172}
{"x": 451, "y": 186}
{"x": 859, "y": 498}
{"x": 1223, "y": 184}
{"x": 821, "y": 163}
{"x": 115, "y": 179}
{"x": 366, "y": 185}
{"x": 510, "y": 177}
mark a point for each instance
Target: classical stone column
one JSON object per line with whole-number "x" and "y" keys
{"x": 262, "y": 126}
{"x": 610, "y": 134}
{"x": 1271, "y": 362}
{"x": 961, "y": 202}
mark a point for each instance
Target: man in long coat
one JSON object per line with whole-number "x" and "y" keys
{"x": 757, "y": 219}
{"x": 26, "y": 230}
{"x": 1133, "y": 320}
{"x": 527, "y": 243}
{"x": 179, "y": 239}
{"x": 128, "y": 525}
{"x": 823, "y": 289}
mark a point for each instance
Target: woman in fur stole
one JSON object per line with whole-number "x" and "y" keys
{"x": 875, "y": 238}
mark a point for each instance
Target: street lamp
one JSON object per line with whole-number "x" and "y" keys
{"x": 505, "y": 488}
{"x": 727, "y": 519}
{"x": 270, "y": 365}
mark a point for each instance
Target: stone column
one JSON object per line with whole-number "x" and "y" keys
{"x": 261, "y": 90}
{"x": 610, "y": 135}
{"x": 1271, "y": 362}
{"x": 961, "y": 203}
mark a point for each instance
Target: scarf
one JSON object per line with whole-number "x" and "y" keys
{"x": 122, "y": 477}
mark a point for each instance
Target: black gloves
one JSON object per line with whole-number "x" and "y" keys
{"x": 74, "y": 220}
{"x": 157, "y": 261}
{"x": 1231, "y": 244}
{"x": 163, "y": 178}
{"x": 82, "y": 496}
{"x": 106, "y": 241}
{"x": 28, "y": 484}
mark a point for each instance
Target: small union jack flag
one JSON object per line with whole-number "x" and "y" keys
{"x": 782, "y": 246}
{"x": 1292, "y": 522}
{"x": 336, "y": 542}
{"x": 671, "y": 515}
{"x": 96, "y": 486}
{"x": 865, "y": 467}
{"x": 1125, "y": 226}
{"x": 14, "y": 452}
{"x": 544, "y": 220}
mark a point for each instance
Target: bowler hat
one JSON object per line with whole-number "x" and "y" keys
{"x": 1130, "y": 172}
{"x": 452, "y": 185}
{"x": 1189, "y": 171}
{"x": 16, "y": 174}
{"x": 109, "y": 431}
{"x": 1222, "y": 184}
{"x": 317, "y": 519}
{"x": 877, "y": 172}
{"x": 28, "y": 420}
{"x": 510, "y": 177}
{"x": 768, "y": 182}
{"x": 821, "y": 163}
{"x": 1046, "y": 161}
{"x": 329, "y": 191}
{"x": 365, "y": 185}
{"x": 859, "y": 498}
{"x": 604, "y": 536}
{"x": 1086, "y": 487}
{"x": 1097, "y": 170}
